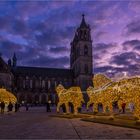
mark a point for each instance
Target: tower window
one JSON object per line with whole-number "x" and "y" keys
{"x": 85, "y": 35}
{"x": 85, "y": 50}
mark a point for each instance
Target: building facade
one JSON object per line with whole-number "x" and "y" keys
{"x": 6, "y": 76}
{"x": 37, "y": 85}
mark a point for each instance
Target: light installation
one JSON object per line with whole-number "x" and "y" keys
{"x": 72, "y": 95}
{"x": 7, "y": 97}
{"x": 107, "y": 92}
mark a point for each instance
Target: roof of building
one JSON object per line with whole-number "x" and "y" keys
{"x": 39, "y": 71}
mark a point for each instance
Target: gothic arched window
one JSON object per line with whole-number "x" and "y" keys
{"x": 85, "y": 50}
{"x": 86, "y": 68}
{"x": 31, "y": 83}
{"x": 27, "y": 82}
{"x": 85, "y": 35}
{"x": 43, "y": 83}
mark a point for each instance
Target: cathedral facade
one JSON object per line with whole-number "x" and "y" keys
{"x": 37, "y": 84}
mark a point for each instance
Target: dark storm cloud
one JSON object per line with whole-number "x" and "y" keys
{"x": 133, "y": 27}
{"x": 137, "y": 48}
{"x": 104, "y": 46}
{"x": 103, "y": 69}
{"x": 52, "y": 36}
{"x": 134, "y": 44}
{"x": 19, "y": 26}
{"x": 113, "y": 71}
{"x": 37, "y": 30}
{"x": 49, "y": 62}
{"x": 8, "y": 48}
{"x": 58, "y": 49}
{"x": 4, "y": 22}
{"x": 125, "y": 59}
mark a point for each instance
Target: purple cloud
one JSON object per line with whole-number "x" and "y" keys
{"x": 40, "y": 33}
{"x": 133, "y": 27}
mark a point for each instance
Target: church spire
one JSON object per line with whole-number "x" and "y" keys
{"x": 14, "y": 60}
{"x": 83, "y": 22}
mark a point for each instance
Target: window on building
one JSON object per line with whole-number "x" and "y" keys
{"x": 86, "y": 68}
{"x": 31, "y": 83}
{"x": 37, "y": 83}
{"x": 49, "y": 84}
{"x": 85, "y": 35}
{"x": 23, "y": 83}
{"x": 40, "y": 82}
{"x": 46, "y": 84}
{"x": 85, "y": 50}
{"x": 43, "y": 83}
{"x": 55, "y": 83}
{"x": 52, "y": 84}
{"x": 20, "y": 82}
{"x": 27, "y": 82}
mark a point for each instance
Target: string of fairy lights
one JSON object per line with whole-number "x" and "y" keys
{"x": 124, "y": 91}
{"x": 6, "y": 96}
{"x": 72, "y": 95}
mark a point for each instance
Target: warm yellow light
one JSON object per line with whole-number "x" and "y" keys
{"x": 106, "y": 92}
{"x": 6, "y": 96}
{"x": 72, "y": 95}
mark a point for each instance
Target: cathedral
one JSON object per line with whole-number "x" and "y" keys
{"x": 37, "y": 84}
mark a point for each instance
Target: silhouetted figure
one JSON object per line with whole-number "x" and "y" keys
{"x": 48, "y": 107}
{"x": 17, "y": 107}
{"x": 10, "y": 107}
{"x": 71, "y": 107}
{"x": 63, "y": 108}
{"x": 2, "y": 105}
{"x": 27, "y": 107}
{"x": 123, "y": 107}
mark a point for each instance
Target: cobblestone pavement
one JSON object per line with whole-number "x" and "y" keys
{"x": 37, "y": 124}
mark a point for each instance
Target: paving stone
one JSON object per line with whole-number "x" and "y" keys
{"x": 36, "y": 124}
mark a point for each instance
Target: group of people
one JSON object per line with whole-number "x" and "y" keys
{"x": 9, "y": 107}
{"x": 48, "y": 106}
{"x": 131, "y": 107}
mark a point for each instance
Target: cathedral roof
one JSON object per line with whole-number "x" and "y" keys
{"x": 43, "y": 72}
{"x": 3, "y": 66}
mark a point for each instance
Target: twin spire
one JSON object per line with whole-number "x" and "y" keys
{"x": 13, "y": 62}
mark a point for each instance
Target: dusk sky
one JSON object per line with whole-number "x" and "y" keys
{"x": 40, "y": 33}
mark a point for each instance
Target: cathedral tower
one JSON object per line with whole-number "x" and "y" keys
{"x": 81, "y": 56}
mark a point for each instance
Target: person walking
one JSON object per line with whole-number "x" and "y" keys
{"x": 123, "y": 107}
{"x": 10, "y": 107}
{"x": 17, "y": 107}
{"x": 27, "y": 107}
{"x": 131, "y": 107}
{"x": 47, "y": 107}
{"x": 2, "y": 107}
